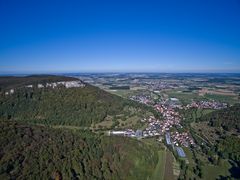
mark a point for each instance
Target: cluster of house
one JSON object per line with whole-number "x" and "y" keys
{"x": 67, "y": 84}
{"x": 182, "y": 139}
{"x": 159, "y": 127}
{"x": 207, "y": 105}
{"x": 153, "y": 129}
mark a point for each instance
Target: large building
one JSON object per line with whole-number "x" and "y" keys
{"x": 180, "y": 152}
{"x": 168, "y": 139}
{"x": 139, "y": 133}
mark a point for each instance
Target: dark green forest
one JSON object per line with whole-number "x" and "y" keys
{"x": 31, "y": 151}
{"x": 228, "y": 147}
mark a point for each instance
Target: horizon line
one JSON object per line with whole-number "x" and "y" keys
{"x": 113, "y": 72}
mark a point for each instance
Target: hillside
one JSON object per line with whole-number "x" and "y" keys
{"x": 77, "y": 106}
{"x": 228, "y": 118}
{"x": 36, "y": 151}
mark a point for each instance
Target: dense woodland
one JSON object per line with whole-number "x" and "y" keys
{"x": 37, "y": 151}
{"x": 61, "y": 106}
{"x": 228, "y": 147}
{"x": 228, "y": 118}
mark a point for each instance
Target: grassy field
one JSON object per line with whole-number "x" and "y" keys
{"x": 184, "y": 97}
{"x": 159, "y": 171}
{"x": 187, "y": 97}
{"x": 160, "y": 168}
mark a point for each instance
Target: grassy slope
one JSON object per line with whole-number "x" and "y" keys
{"x": 160, "y": 168}
{"x": 169, "y": 166}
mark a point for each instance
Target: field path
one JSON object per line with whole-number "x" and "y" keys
{"x": 160, "y": 168}
{"x": 168, "y": 175}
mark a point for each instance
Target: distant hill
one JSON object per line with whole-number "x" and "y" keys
{"x": 37, "y": 152}
{"x": 228, "y": 118}
{"x": 82, "y": 106}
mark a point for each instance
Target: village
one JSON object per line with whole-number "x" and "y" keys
{"x": 158, "y": 128}
{"x": 168, "y": 127}
{"x": 207, "y": 105}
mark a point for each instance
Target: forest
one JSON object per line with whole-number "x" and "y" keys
{"x": 228, "y": 119}
{"x": 36, "y": 151}
{"x": 228, "y": 147}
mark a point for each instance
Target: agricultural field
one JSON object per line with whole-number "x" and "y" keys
{"x": 169, "y": 166}
{"x": 184, "y": 97}
{"x": 223, "y": 98}
{"x": 188, "y": 97}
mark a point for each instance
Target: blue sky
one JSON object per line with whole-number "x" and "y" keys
{"x": 119, "y": 36}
